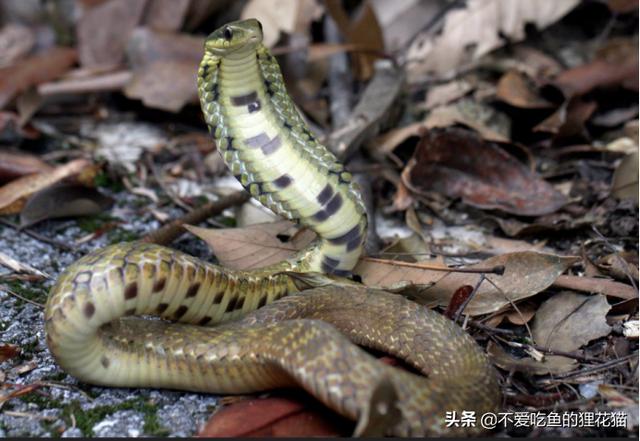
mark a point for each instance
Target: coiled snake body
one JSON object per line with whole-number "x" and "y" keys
{"x": 300, "y": 339}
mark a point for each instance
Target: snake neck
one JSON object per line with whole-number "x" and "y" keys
{"x": 271, "y": 151}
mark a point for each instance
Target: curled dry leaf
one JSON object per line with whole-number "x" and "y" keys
{"x": 14, "y": 194}
{"x": 63, "y": 200}
{"x": 458, "y": 163}
{"x": 255, "y": 246}
{"x": 16, "y": 164}
{"x": 277, "y": 416}
{"x": 514, "y": 88}
{"x": 478, "y": 29}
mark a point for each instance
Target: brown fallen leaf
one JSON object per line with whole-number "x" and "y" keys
{"x": 525, "y": 274}
{"x": 277, "y": 416}
{"x": 16, "y": 164}
{"x": 515, "y": 89}
{"x": 362, "y": 29}
{"x": 34, "y": 70}
{"x": 13, "y": 195}
{"x": 103, "y": 30}
{"x": 160, "y": 59}
{"x": 567, "y": 321}
{"x": 459, "y": 163}
{"x": 615, "y": 64}
{"x": 597, "y": 285}
{"x": 523, "y": 315}
{"x": 254, "y": 246}
{"x": 569, "y": 119}
{"x": 149, "y": 84}
{"x": 8, "y": 351}
{"x": 18, "y": 391}
{"x": 166, "y": 15}
{"x": 457, "y": 300}
{"x": 625, "y": 178}
{"x": 63, "y": 200}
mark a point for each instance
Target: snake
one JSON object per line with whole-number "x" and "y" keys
{"x": 224, "y": 331}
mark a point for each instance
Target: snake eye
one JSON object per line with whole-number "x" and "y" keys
{"x": 227, "y": 33}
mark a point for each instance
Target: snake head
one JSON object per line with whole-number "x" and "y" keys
{"x": 234, "y": 36}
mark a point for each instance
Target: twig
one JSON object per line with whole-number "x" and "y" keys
{"x": 171, "y": 231}
{"x": 15, "y": 294}
{"x": 499, "y": 269}
{"x": 551, "y": 351}
{"x": 486, "y": 328}
{"x": 468, "y": 299}
{"x": 37, "y": 236}
{"x": 601, "y": 367}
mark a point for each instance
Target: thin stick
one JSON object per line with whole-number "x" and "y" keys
{"x": 37, "y": 236}
{"x": 174, "y": 229}
{"x": 499, "y": 269}
{"x": 601, "y": 367}
{"x": 468, "y": 299}
{"x": 15, "y": 294}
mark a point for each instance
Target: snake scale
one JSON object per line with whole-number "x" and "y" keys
{"x": 268, "y": 333}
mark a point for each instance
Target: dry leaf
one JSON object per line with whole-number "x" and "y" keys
{"x": 149, "y": 84}
{"x": 275, "y": 417}
{"x": 445, "y": 93}
{"x": 477, "y": 29}
{"x": 166, "y": 15}
{"x": 279, "y": 16}
{"x": 16, "y": 41}
{"x": 458, "y": 163}
{"x": 567, "y": 321}
{"x": 103, "y": 31}
{"x": 255, "y": 246}
{"x": 625, "y": 178}
{"x": 63, "y": 200}
{"x": 14, "y": 194}
{"x": 525, "y": 274}
{"x": 16, "y": 164}
{"x": 34, "y": 70}
{"x": 515, "y": 89}
{"x": 8, "y": 351}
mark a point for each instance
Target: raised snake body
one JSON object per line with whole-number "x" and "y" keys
{"x": 300, "y": 339}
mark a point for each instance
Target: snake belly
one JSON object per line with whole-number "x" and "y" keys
{"x": 269, "y": 334}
